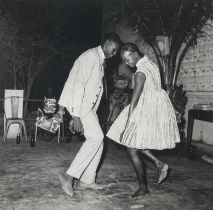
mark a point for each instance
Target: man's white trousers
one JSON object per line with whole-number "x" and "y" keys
{"x": 85, "y": 164}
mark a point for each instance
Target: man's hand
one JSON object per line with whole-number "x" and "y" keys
{"x": 77, "y": 125}
{"x": 71, "y": 127}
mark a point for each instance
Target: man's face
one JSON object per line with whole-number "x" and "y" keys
{"x": 110, "y": 49}
{"x": 130, "y": 58}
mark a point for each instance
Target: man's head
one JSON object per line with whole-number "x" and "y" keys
{"x": 130, "y": 54}
{"x": 111, "y": 44}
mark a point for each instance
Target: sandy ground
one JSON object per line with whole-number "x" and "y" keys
{"x": 29, "y": 180}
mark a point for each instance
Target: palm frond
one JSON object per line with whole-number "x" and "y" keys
{"x": 181, "y": 20}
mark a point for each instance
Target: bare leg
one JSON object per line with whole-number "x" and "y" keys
{"x": 162, "y": 167}
{"x": 67, "y": 183}
{"x": 149, "y": 154}
{"x": 140, "y": 171}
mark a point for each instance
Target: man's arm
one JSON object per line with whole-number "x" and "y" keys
{"x": 83, "y": 68}
{"x": 86, "y": 65}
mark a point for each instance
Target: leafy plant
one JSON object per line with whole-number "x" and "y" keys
{"x": 180, "y": 21}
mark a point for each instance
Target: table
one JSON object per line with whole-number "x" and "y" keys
{"x": 199, "y": 114}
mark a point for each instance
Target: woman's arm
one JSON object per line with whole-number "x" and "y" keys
{"x": 140, "y": 79}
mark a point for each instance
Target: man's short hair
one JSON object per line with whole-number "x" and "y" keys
{"x": 111, "y": 36}
{"x": 130, "y": 47}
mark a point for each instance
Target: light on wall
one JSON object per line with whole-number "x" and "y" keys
{"x": 163, "y": 44}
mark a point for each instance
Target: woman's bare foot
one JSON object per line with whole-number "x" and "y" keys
{"x": 139, "y": 193}
{"x": 93, "y": 186}
{"x": 163, "y": 172}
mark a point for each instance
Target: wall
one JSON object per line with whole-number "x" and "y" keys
{"x": 197, "y": 77}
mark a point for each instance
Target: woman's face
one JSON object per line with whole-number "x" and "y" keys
{"x": 130, "y": 58}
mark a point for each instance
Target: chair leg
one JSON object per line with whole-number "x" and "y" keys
{"x": 7, "y": 125}
{"x": 25, "y": 130}
{"x": 22, "y": 123}
{"x": 59, "y": 131}
{"x": 36, "y": 130}
{"x": 62, "y": 129}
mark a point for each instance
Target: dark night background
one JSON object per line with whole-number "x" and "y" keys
{"x": 63, "y": 29}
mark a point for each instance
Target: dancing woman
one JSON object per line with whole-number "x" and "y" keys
{"x": 149, "y": 122}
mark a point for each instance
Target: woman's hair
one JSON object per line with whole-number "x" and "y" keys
{"x": 130, "y": 47}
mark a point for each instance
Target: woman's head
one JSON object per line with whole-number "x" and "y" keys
{"x": 130, "y": 54}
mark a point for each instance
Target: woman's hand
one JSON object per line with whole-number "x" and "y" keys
{"x": 121, "y": 136}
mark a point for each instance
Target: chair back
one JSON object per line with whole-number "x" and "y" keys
{"x": 13, "y": 103}
{"x": 50, "y": 105}
{"x": 14, "y": 106}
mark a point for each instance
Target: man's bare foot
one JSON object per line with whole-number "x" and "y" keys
{"x": 163, "y": 172}
{"x": 139, "y": 193}
{"x": 66, "y": 182}
{"x": 93, "y": 186}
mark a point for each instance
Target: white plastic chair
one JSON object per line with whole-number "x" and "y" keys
{"x": 13, "y": 111}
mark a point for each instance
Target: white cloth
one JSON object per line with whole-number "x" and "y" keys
{"x": 153, "y": 122}
{"x": 84, "y": 86}
{"x": 85, "y": 164}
